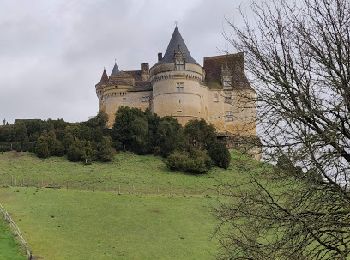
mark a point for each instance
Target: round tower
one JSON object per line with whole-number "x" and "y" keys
{"x": 112, "y": 92}
{"x": 177, "y": 83}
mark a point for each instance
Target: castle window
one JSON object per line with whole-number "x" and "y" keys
{"x": 180, "y": 86}
{"x": 179, "y": 61}
{"x": 229, "y": 116}
{"x": 145, "y": 99}
{"x": 180, "y": 66}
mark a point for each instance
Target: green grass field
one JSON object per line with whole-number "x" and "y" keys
{"x": 146, "y": 174}
{"x": 9, "y": 249}
{"x": 159, "y": 214}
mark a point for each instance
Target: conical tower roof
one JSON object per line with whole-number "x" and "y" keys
{"x": 177, "y": 44}
{"x": 115, "y": 70}
{"x": 104, "y": 77}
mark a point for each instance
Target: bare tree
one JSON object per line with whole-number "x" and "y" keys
{"x": 299, "y": 57}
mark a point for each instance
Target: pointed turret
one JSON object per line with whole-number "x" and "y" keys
{"x": 177, "y": 45}
{"x": 115, "y": 70}
{"x": 104, "y": 77}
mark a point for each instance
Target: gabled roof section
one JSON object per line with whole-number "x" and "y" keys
{"x": 175, "y": 45}
{"x": 233, "y": 62}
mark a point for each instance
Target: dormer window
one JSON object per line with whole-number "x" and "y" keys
{"x": 179, "y": 61}
{"x": 226, "y": 77}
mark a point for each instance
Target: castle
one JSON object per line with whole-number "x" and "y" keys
{"x": 178, "y": 86}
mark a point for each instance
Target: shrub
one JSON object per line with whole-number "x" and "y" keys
{"x": 104, "y": 150}
{"x": 199, "y": 134}
{"x": 196, "y": 161}
{"x": 42, "y": 147}
{"x": 169, "y": 136}
{"x": 75, "y": 151}
{"x": 88, "y": 153}
{"x": 219, "y": 154}
{"x": 57, "y": 149}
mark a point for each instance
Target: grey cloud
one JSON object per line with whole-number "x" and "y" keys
{"x": 52, "y": 53}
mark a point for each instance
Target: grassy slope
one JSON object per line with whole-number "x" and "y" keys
{"x": 151, "y": 224}
{"x": 9, "y": 249}
{"x": 146, "y": 173}
{"x": 102, "y": 225}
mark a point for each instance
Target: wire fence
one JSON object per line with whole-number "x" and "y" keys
{"x": 110, "y": 186}
{"x": 18, "y": 234}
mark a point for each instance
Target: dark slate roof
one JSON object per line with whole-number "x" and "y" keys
{"x": 115, "y": 70}
{"x": 177, "y": 43}
{"x": 104, "y": 78}
{"x": 136, "y": 74}
{"x": 142, "y": 86}
{"x": 234, "y": 62}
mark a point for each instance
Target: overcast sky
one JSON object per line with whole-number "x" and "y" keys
{"x": 52, "y": 52}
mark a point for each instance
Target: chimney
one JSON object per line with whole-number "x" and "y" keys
{"x": 144, "y": 71}
{"x": 160, "y": 56}
{"x": 144, "y": 67}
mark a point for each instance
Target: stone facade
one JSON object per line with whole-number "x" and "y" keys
{"x": 178, "y": 86}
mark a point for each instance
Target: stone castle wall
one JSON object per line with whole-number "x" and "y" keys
{"x": 235, "y": 115}
{"x": 113, "y": 98}
{"x": 178, "y": 93}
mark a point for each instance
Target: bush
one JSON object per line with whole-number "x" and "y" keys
{"x": 5, "y": 147}
{"x": 196, "y": 161}
{"x": 104, "y": 150}
{"x": 75, "y": 151}
{"x": 42, "y": 147}
{"x": 219, "y": 154}
{"x": 57, "y": 149}
{"x": 169, "y": 136}
{"x": 199, "y": 134}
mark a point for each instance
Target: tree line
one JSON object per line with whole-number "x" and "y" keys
{"x": 193, "y": 148}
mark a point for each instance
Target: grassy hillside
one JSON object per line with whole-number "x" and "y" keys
{"x": 145, "y": 174}
{"x": 102, "y": 225}
{"x": 9, "y": 249}
{"x": 160, "y": 214}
